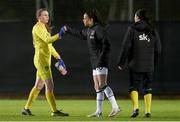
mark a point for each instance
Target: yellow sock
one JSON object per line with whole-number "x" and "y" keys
{"x": 51, "y": 100}
{"x": 32, "y": 96}
{"x": 147, "y": 102}
{"x": 134, "y": 98}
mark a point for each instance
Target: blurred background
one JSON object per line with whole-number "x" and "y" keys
{"x": 17, "y": 72}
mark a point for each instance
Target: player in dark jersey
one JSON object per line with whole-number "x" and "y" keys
{"x": 99, "y": 49}
{"x": 141, "y": 47}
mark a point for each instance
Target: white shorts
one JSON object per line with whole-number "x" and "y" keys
{"x": 100, "y": 71}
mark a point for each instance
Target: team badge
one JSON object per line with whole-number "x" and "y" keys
{"x": 92, "y": 34}
{"x": 46, "y": 68}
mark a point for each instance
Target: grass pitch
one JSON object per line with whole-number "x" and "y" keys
{"x": 162, "y": 110}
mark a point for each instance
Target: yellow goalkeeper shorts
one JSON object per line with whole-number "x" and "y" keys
{"x": 43, "y": 71}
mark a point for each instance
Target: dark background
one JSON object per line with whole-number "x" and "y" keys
{"x": 17, "y": 72}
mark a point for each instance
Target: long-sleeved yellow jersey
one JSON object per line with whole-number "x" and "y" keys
{"x": 42, "y": 41}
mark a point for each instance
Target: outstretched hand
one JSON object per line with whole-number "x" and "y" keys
{"x": 119, "y": 67}
{"x": 61, "y": 32}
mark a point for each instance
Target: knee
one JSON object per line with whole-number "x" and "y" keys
{"x": 134, "y": 86}
{"x": 102, "y": 84}
{"x": 147, "y": 91}
{"x": 39, "y": 86}
{"x": 133, "y": 89}
{"x": 96, "y": 87}
{"x": 49, "y": 85}
{"x": 147, "y": 88}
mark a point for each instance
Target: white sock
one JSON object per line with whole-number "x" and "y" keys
{"x": 109, "y": 94}
{"x": 99, "y": 101}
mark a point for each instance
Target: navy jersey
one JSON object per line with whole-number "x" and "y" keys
{"x": 98, "y": 43}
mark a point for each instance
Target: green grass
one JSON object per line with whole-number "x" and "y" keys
{"x": 162, "y": 110}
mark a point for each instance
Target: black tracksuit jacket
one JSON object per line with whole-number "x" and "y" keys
{"x": 141, "y": 46}
{"x": 98, "y": 43}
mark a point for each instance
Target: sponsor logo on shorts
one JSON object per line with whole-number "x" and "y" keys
{"x": 100, "y": 68}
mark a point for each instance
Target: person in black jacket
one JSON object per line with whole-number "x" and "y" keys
{"x": 141, "y": 47}
{"x": 99, "y": 48}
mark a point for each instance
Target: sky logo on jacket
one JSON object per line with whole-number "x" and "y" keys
{"x": 144, "y": 37}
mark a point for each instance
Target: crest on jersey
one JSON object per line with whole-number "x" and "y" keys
{"x": 46, "y": 68}
{"x": 92, "y": 34}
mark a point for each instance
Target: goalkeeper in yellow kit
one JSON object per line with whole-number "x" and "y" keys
{"x": 42, "y": 41}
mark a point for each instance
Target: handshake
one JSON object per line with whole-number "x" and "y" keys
{"x": 61, "y": 67}
{"x": 62, "y": 31}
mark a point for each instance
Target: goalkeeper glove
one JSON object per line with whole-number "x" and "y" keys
{"x": 60, "y": 65}
{"x": 61, "y": 32}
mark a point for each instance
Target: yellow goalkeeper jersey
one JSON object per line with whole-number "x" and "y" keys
{"x": 42, "y": 41}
